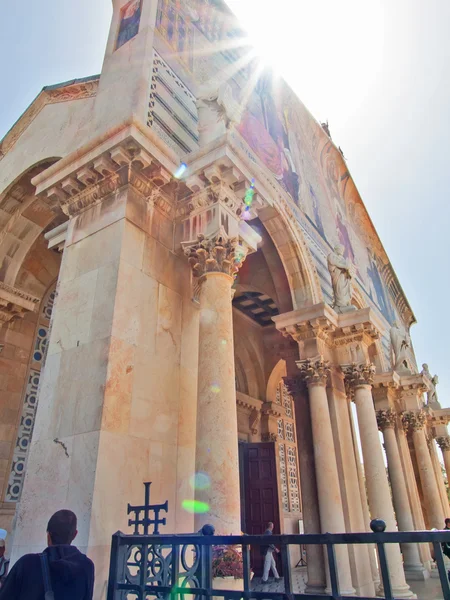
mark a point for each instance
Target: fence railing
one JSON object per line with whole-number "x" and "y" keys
{"x": 176, "y": 567}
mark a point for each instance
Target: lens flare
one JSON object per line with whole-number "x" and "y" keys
{"x": 195, "y": 507}
{"x": 180, "y": 171}
{"x": 200, "y": 481}
{"x": 215, "y": 388}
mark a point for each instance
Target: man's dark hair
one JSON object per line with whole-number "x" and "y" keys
{"x": 62, "y": 527}
{"x": 447, "y": 520}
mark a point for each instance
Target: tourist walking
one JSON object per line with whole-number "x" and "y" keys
{"x": 269, "y": 561}
{"x": 61, "y": 572}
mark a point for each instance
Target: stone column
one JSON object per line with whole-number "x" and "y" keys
{"x": 386, "y": 422}
{"x": 315, "y": 559}
{"x": 444, "y": 445}
{"x": 415, "y": 422}
{"x": 438, "y": 472}
{"x": 214, "y": 262}
{"x": 360, "y": 379}
{"x": 315, "y": 374}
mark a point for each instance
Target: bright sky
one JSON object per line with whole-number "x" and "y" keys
{"x": 378, "y": 71}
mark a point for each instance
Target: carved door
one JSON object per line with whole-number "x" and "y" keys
{"x": 260, "y": 493}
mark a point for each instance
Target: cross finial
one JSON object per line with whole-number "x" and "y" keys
{"x": 146, "y": 521}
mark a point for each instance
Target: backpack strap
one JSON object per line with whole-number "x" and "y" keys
{"x": 46, "y": 577}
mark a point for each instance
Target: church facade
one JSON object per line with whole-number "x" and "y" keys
{"x": 193, "y": 294}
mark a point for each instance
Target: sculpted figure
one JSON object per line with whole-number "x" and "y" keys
{"x": 341, "y": 271}
{"x": 401, "y": 342}
{"x": 432, "y": 397}
{"x": 217, "y": 111}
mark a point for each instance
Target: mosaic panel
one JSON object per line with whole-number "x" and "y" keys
{"x": 24, "y": 433}
{"x": 283, "y": 477}
{"x": 40, "y": 347}
{"x": 48, "y": 306}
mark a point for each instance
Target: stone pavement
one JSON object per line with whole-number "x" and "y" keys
{"x": 428, "y": 590}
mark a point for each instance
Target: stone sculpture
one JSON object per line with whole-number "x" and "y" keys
{"x": 341, "y": 271}
{"x": 432, "y": 397}
{"x": 217, "y": 111}
{"x": 401, "y": 343}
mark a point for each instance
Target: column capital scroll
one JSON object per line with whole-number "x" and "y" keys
{"x": 216, "y": 254}
{"x": 413, "y": 420}
{"x": 358, "y": 375}
{"x": 314, "y": 371}
{"x": 443, "y": 442}
{"x": 386, "y": 419}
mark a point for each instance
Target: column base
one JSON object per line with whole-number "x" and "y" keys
{"x": 398, "y": 592}
{"x": 416, "y": 573}
{"x": 350, "y": 592}
{"x": 315, "y": 590}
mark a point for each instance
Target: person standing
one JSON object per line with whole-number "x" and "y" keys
{"x": 61, "y": 568}
{"x": 445, "y": 546}
{"x": 269, "y": 561}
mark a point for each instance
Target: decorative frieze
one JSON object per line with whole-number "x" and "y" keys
{"x": 315, "y": 371}
{"x": 357, "y": 375}
{"x": 386, "y": 419}
{"x": 413, "y": 420}
{"x": 443, "y": 442}
{"x": 15, "y": 302}
{"x": 215, "y": 255}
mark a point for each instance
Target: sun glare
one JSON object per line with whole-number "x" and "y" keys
{"x": 330, "y": 52}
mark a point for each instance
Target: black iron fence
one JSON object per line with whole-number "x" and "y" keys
{"x": 180, "y": 567}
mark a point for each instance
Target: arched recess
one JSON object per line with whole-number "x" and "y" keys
{"x": 23, "y": 217}
{"x": 277, "y": 374}
{"x": 288, "y": 239}
{"x": 250, "y": 367}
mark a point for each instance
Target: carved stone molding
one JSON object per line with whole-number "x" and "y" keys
{"x": 357, "y": 375}
{"x": 269, "y": 437}
{"x": 444, "y": 442}
{"x": 314, "y": 371}
{"x": 386, "y": 419}
{"x": 215, "y": 255}
{"x": 413, "y": 421}
{"x": 15, "y": 302}
{"x": 254, "y": 420}
{"x": 212, "y": 194}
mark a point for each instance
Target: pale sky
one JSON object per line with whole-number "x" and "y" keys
{"x": 378, "y": 71}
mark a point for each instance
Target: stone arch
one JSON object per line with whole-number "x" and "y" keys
{"x": 289, "y": 241}
{"x": 246, "y": 357}
{"x": 277, "y": 374}
{"x": 23, "y": 217}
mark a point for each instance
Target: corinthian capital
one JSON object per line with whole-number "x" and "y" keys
{"x": 444, "y": 442}
{"x": 216, "y": 254}
{"x": 386, "y": 419}
{"x": 314, "y": 371}
{"x": 357, "y": 375}
{"x": 413, "y": 421}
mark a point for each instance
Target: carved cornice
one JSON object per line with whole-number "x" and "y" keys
{"x": 217, "y": 254}
{"x": 15, "y": 302}
{"x": 386, "y": 419}
{"x": 321, "y": 329}
{"x": 413, "y": 420}
{"x": 212, "y": 194}
{"x": 314, "y": 371}
{"x": 444, "y": 442}
{"x": 359, "y": 375}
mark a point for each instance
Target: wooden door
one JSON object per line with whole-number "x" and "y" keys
{"x": 260, "y": 493}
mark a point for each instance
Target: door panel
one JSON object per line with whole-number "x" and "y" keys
{"x": 260, "y": 494}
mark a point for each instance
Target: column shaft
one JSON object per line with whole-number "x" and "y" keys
{"x": 217, "y": 437}
{"x": 446, "y": 455}
{"x": 430, "y": 489}
{"x": 330, "y": 502}
{"x": 439, "y": 475}
{"x": 402, "y": 506}
{"x": 380, "y": 502}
